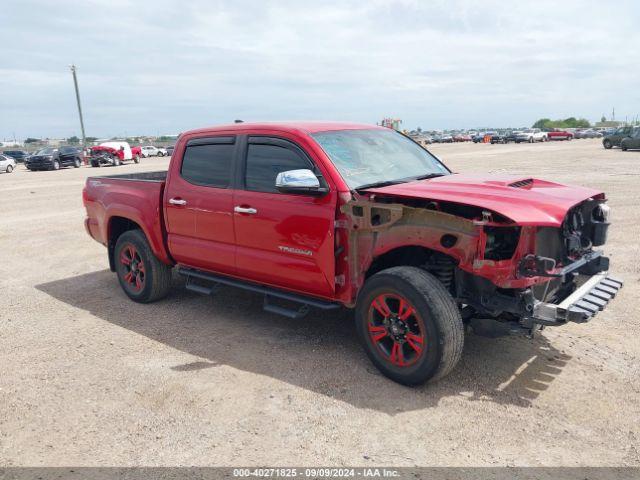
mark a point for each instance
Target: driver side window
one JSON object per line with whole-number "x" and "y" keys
{"x": 264, "y": 162}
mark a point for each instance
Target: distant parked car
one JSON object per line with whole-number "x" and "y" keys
{"x": 504, "y": 137}
{"x": 531, "y": 135}
{"x": 478, "y": 137}
{"x": 54, "y": 158}
{"x": 151, "y": 151}
{"x": 595, "y": 134}
{"x": 170, "y": 149}
{"x": 587, "y": 133}
{"x": 7, "y": 163}
{"x": 614, "y": 139}
{"x": 559, "y": 135}
{"x": 18, "y": 155}
{"x": 446, "y": 139}
{"x": 113, "y": 153}
{"x": 462, "y": 137}
{"x": 632, "y": 142}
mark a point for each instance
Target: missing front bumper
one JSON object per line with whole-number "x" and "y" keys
{"x": 582, "y": 305}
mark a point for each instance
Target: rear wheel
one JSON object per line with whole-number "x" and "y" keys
{"x": 136, "y": 159}
{"x": 56, "y": 165}
{"x": 409, "y": 325}
{"x": 116, "y": 161}
{"x": 142, "y": 276}
{"x": 530, "y": 139}
{"x": 623, "y": 147}
{"x": 607, "y": 144}
{"x": 9, "y": 168}
{"x": 76, "y": 163}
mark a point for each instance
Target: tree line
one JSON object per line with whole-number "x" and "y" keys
{"x": 571, "y": 122}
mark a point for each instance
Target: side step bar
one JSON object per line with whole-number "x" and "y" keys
{"x": 214, "y": 281}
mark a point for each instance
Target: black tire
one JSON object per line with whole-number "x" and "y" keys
{"x": 136, "y": 159}
{"x": 116, "y": 161}
{"x": 435, "y": 311}
{"x": 607, "y": 144}
{"x": 77, "y": 163}
{"x": 530, "y": 139}
{"x": 160, "y": 154}
{"x": 623, "y": 147}
{"x": 156, "y": 280}
{"x": 9, "y": 168}
{"x": 56, "y": 165}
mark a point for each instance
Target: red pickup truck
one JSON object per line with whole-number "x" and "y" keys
{"x": 559, "y": 135}
{"x": 329, "y": 215}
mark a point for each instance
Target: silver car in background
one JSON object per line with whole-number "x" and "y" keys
{"x": 7, "y": 164}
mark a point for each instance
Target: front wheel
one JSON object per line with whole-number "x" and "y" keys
{"x": 136, "y": 159}
{"x": 56, "y": 165}
{"x": 142, "y": 276}
{"x": 530, "y": 139}
{"x": 607, "y": 144}
{"x": 409, "y": 325}
{"x": 623, "y": 147}
{"x": 9, "y": 168}
{"x": 116, "y": 161}
{"x": 76, "y": 163}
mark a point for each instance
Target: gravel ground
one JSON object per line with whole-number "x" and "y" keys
{"x": 90, "y": 378}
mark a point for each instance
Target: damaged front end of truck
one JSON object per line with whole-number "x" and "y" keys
{"x": 508, "y": 275}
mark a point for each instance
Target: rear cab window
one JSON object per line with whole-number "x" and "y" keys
{"x": 208, "y": 161}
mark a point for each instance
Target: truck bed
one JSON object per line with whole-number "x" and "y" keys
{"x": 136, "y": 197}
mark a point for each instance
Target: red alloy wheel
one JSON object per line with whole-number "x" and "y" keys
{"x": 134, "y": 272}
{"x": 396, "y": 329}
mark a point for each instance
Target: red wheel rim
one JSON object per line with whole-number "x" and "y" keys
{"x": 133, "y": 267}
{"x": 396, "y": 330}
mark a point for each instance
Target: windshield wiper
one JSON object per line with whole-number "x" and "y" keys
{"x": 384, "y": 183}
{"x": 429, "y": 175}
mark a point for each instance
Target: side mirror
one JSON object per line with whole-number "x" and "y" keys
{"x": 299, "y": 181}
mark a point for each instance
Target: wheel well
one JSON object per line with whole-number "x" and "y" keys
{"x": 117, "y": 226}
{"x": 440, "y": 265}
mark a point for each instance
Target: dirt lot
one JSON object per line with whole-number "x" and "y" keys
{"x": 90, "y": 378}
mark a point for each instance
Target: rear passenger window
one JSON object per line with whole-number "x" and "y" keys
{"x": 264, "y": 162}
{"x": 208, "y": 165}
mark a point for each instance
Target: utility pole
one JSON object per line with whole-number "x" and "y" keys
{"x": 75, "y": 84}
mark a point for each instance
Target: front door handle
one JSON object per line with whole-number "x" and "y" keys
{"x": 249, "y": 210}
{"x": 177, "y": 201}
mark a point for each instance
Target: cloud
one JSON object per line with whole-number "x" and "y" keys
{"x": 164, "y": 66}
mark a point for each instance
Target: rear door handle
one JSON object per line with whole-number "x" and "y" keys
{"x": 177, "y": 201}
{"x": 249, "y": 210}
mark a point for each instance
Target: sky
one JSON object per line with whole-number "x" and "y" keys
{"x": 163, "y": 67}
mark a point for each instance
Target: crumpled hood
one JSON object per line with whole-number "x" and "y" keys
{"x": 525, "y": 200}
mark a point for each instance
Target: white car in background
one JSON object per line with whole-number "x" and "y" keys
{"x": 531, "y": 135}
{"x": 7, "y": 164}
{"x": 151, "y": 151}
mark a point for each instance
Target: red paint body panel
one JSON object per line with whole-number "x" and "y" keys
{"x": 542, "y": 203}
{"x": 139, "y": 201}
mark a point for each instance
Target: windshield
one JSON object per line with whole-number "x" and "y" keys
{"x": 46, "y": 151}
{"x": 67, "y": 149}
{"x": 366, "y": 157}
